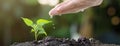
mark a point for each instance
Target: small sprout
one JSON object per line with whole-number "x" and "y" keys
{"x": 37, "y": 28}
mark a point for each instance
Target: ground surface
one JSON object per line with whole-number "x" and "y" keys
{"x": 50, "y": 41}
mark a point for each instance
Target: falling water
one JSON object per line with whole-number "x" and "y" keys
{"x": 60, "y": 14}
{"x": 51, "y": 16}
{"x": 53, "y": 26}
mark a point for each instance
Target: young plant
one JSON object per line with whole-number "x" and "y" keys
{"x": 37, "y": 28}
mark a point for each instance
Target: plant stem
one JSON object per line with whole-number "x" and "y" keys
{"x": 36, "y": 36}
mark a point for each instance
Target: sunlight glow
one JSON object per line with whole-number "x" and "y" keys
{"x": 49, "y": 2}
{"x": 43, "y": 2}
{"x": 53, "y": 2}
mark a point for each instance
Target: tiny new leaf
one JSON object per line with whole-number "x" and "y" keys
{"x": 32, "y": 30}
{"x": 42, "y": 31}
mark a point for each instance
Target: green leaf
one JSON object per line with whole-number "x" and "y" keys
{"x": 42, "y": 31}
{"x": 42, "y": 22}
{"x": 27, "y": 21}
{"x": 45, "y": 33}
{"x": 32, "y": 30}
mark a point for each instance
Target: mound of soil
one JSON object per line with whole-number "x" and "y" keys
{"x": 51, "y": 41}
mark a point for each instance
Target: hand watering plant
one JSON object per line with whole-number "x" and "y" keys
{"x": 37, "y": 27}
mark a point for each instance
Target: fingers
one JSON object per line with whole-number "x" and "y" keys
{"x": 59, "y": 8}
{"x": 73, "y": 6}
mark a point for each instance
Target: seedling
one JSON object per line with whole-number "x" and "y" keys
{"x": 37, "y": 28}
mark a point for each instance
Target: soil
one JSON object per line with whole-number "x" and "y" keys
{"x": 51, "y": 41}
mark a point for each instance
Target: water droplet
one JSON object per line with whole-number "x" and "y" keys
{"x": 53, "y": 24}
{"x": 82, "y": 10}
{"x": 51, "y": 16}
{"x": 60, "y": 14}
{"x": 53, "y": 27}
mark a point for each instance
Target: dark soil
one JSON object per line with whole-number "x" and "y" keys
{"x": 51, "y": 41}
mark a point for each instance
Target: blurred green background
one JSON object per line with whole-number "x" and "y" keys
{"x": 101, "y": 22}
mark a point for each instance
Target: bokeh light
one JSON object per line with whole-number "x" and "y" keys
{"x": 111, "y": 11}
{"x": 49, "y": 2}
{"x": 115, "y": 20}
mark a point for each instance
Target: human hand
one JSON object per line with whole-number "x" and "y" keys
{"x": 73, "y": 6}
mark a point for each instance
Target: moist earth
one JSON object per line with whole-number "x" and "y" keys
{"x": 51, "y": 41}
